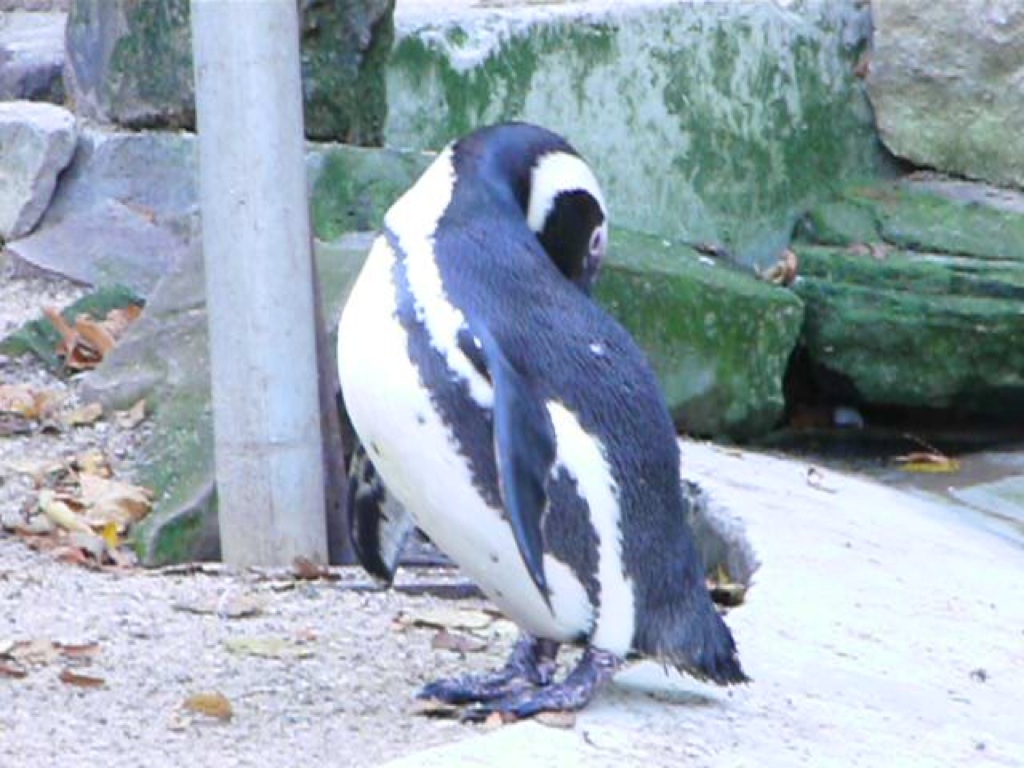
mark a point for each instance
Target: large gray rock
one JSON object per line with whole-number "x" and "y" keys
{"x": 37, "y": 142}
{"x": 706, "y": 121}
{"x": 947, "y": 84}
{"x": 32, "y": 56}
{"x": 130, "y": 63}
{"x": 127, "y": 208}
{"x": 165, "y": 359}
{"x": 123, "y": 213}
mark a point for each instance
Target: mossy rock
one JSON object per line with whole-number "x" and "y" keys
{"x": 705, "y": 122}
{"x": 353, "y": 187}
{"x": 718, "y": 338}
{"x": 911, "y": 217}
{"x": 130, "y": 63}
{"x": 911, "y": 332}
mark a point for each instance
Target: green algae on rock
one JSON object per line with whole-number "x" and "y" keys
{"x": 719, "y": 339}
{"x": 713, "y": 122}
{"x": 917, "y": 300}
{"x": 130, "y": 63}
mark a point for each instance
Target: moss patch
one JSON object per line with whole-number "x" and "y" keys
{"x": 928, "y": 315}
{"x": 40, "y": 338}
{"x": 354, "y": 187}
{"x": 497, "y": 87}
{"x": 718, "y": 338}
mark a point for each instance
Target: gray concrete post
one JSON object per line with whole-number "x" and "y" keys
{"x": 256, "y": 245}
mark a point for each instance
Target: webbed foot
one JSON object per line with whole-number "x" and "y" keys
{"x": 531, "y": 665}
{"x": 593, "y": 672}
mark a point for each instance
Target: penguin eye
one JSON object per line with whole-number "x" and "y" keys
{"x": 597, "y": 242}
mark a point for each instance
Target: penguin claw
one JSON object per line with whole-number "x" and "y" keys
{"x": 594, "y": 670}
{"x": 531, "y": 664}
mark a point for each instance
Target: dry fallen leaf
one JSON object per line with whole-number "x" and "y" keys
{"x": 306, "y": 569}
{"x": 118, "y": 320}
{"x": 447, "y": 618}
{"x": 457, "y": 643}
{"x": 210, "y": 703}
{"x": 78, "y": 650}
{"x": 783, "y": 272}
{"x": 86, "y": 344}
{"x": 268, "y": 647}
{"x": 84, "y": 416}
{"x": 557, "y": 719}
{"x": 110, "y": 536}
{"x": 131, "y": 418}
{"x": 71, "y": 677}
{"x": 927, "y": 462}
{"x": 18, "y": 398}
{"x": 11, "y": 669}
{"x": 36, "y": 652}
{"x": 60, "y": 513}
{"x": 111, "y": 501}
{"x": 92, "y": 462}
{"x": 72, "y": 556}
{"x": 95, "y": 547}
{"x": 95, "y": 335}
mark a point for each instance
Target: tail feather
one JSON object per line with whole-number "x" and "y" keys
{"x": 695, "y": 641}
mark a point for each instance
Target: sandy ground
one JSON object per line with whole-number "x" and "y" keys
{"x": 880, "y": 630}
{"x": 323, "y": 674}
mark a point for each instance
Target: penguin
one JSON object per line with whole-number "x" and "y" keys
{"x": 514, "y": 421}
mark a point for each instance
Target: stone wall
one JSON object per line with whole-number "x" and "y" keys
{"x": 130, "y": 63}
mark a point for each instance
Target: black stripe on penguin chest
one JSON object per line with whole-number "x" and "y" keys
{"x": 569, "y": 534}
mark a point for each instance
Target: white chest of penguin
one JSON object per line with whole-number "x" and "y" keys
{"x": 415, "y": 452}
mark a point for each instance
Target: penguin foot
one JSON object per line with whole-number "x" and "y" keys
{"x": 593, "y": 672}
{"x": 531, "y": 664}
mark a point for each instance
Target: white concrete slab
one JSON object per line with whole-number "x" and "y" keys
{"x": 881, "y": 630}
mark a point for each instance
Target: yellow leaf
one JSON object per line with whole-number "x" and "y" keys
{"x": 109, "y": 535}
{"x": 931, "y": 467}
{"x": 210, "y": 703}
{"x": 60, "y": 513}
{"x": 927, "y": 462}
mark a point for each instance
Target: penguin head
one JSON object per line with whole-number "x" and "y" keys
{"x": 553, "y": 187}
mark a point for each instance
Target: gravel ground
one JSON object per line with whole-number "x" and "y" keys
{"x": 96, "y": 666}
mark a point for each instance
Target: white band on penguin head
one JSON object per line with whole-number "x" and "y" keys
{"x": 554, "y": 174}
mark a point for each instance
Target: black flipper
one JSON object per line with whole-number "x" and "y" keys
{"x": 524, "y": 448}
{"x": 378, "y": 523}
